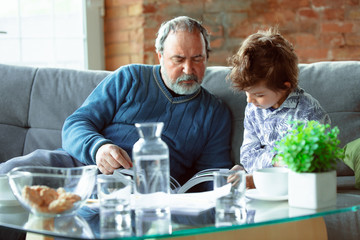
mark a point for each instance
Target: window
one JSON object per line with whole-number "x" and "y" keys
{"x": 51, "y": 33}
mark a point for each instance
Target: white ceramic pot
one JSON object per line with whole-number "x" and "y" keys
{"x": 312, "y": 190}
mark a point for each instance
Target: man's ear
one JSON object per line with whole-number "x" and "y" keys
{"x": 159, "y": 56}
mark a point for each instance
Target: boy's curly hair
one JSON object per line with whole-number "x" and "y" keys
{"x": 265, "y": 56}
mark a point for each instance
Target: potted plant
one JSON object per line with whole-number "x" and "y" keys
{"x": 310, "y": 150}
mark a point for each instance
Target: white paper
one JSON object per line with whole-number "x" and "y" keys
{"x": 190, "y": 203}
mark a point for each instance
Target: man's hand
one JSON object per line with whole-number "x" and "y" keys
{"x": 110, "y": 157}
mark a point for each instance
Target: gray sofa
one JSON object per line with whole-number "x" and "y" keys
{"x": 34, "y": 103}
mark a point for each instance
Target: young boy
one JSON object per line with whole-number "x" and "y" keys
{"x": 266, "y": 68}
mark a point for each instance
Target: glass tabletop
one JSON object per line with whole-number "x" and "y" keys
{"x": 85, "y": 223}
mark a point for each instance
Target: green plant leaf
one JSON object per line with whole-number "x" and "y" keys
{"x": 309, "y": 147}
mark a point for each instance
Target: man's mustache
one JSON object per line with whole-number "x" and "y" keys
{"x": 187, "y": 77}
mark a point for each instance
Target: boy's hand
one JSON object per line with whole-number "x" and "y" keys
{"x": 279, "y": 162}
{"x": 236, "y": 168}
{"x": 249, "y": 177}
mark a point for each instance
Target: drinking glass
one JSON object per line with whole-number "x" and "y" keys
{"x": 114, "y": 193}
{"x": 230, "y": 205}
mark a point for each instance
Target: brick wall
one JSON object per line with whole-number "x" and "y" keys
{"x": 319, "y": 29}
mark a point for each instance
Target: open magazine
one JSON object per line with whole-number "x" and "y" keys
{"x": 200, "y": 177}
{"x": 188, "y": 203}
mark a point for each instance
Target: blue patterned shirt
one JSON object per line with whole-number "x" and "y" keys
{"x": 264, "y": 127}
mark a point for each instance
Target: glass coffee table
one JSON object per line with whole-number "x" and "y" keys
{"x": 260, "y": 214}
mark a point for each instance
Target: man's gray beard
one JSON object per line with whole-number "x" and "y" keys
{"x": 182, "y": 89}
{"x": 186, "y": 89}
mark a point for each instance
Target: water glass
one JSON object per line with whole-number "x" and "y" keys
{"x": 114, "y": 193}
{"x": 230, "y": 205}
{"x": 153, "y": 222}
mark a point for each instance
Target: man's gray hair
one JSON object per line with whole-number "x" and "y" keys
{"x": 180, "y": 23}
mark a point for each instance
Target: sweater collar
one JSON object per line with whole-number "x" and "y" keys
{"x": 178, "y": 99}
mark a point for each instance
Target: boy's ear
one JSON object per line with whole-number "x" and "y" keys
{"x": 287, "y": 84}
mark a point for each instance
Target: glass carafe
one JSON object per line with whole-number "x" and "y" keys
{"x": 151, "y": 180}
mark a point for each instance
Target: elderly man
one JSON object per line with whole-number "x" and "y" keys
{"x": 196, "y": 124}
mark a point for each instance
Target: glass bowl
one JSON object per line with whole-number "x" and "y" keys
{"x": 52, "y": 191}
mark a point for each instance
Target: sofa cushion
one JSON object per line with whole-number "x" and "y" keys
{"x": 35, "y": 103}
{"x": 16, "y": 85}
{"x": 336, "y": 86}
{"x": 12, "y": 140}
{"x": 40, "y": 138}
{"x": 57, "y": 93}
{"x": 352, "y": 159}
{"x": 216, "y": 82}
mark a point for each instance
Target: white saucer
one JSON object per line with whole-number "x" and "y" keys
{"x": 254, "y": 194}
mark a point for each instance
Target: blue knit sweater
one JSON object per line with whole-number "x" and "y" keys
{"x": 197, "y": 127}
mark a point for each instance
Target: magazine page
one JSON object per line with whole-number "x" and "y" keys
{"x": 200, "y": 177}
{"x": 174, "y": 185}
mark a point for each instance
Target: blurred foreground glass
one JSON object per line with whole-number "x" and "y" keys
{"x": 151, "y": 181}
{"x": 230, "y": 207}
{"x": 114, "y": 193}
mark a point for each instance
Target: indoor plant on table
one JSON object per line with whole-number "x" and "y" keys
{"x": 310, "y": 150}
